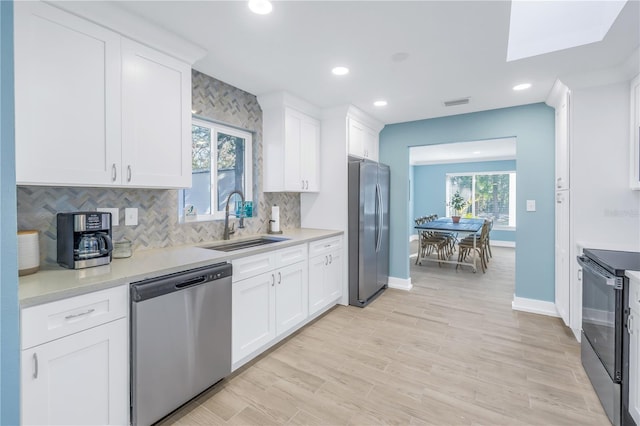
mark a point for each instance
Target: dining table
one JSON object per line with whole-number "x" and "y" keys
{"x": 446, "y": 224}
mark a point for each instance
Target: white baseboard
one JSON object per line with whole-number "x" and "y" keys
{"x": 534, "y": 306}
{"x": 400, "y": 283}
{"x": 503, "y": 243}
{"x": 413, "y": 237}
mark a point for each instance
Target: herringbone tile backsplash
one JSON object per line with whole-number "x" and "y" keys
{"x": 158, "y": 224}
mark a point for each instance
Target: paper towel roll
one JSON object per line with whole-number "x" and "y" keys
{"x": 28, "y": 252}
{"x": 275, "y": 217}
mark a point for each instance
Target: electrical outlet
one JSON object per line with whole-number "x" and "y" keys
{"x": 115, "y": 214}
{"x": 131, "y": 216}
{"x": 531, "y": 205}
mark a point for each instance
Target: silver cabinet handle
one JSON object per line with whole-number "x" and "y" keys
{"x": 273, "y": 280}
{"x": 114, "y": 172}
{"x": 129, "y": 173}
{"x": 302, "y": 183}
{"x": 326, "y": 260}
{"x": 81, "y": 314}
{"x": 279, "y": 277}
{"x": 35, "y": 365}
{"x": 307, "y": 184}
{"x": 558, "y": 182}
{"x": 330, "y": 259}
{"x": 630, "y": 324}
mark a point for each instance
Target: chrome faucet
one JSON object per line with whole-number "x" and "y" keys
{"x": 227, "y": 231}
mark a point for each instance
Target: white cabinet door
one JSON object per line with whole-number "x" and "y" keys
{"x": 634, "y": 148}
{"x": 317, "y": 292}
{"x": 562, "y": 143}
{"x": 301, "y": 152}
{"x": 292, "y": 139}
{"x": 253, "y": 314}
{"x": 333, "y": 276}
{"x": 81, "y": 379}
{"x": 562, "y": 256}
{"x": 67, "y": 98}
{"x": 363, "y": 141}
{"x": 291, "y": 296}
{"x": 310, "y": 154}
{"x": 156, "y": 121}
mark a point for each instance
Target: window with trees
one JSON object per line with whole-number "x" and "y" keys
{"x": 221, "y": 163}
{"x": 490, "y": 195}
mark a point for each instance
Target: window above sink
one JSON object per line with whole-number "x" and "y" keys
{"x": 221, "y": 163}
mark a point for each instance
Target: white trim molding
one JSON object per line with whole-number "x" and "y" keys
{"x": 400, "y": 283}
{"x": 534, "y": 306}
{"x": 498, "y": 243}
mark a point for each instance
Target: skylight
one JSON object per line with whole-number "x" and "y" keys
{"x": 539, "y": 27}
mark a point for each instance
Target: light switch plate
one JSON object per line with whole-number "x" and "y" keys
{"x": 131, "y": 216}
{"x": 115, "y": 214}
{"x": 531, "y": 205}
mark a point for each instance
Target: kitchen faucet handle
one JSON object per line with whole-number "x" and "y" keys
{"x": 232, "y": 229}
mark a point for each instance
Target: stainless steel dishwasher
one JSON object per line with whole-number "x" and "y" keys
{"x": 180, "y": 339}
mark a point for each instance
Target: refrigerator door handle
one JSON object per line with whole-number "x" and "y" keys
{"x": 380, "y": 218}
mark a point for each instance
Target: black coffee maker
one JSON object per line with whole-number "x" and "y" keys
{"x": 84, "y": 239}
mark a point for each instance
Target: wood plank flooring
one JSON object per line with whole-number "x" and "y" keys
{"x": 449, "y": 352}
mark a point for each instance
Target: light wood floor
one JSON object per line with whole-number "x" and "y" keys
{"x": 449, "y": 352}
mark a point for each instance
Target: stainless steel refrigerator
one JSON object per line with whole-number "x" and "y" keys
{"x": 368, "y": 230}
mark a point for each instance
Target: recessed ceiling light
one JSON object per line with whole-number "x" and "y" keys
{"x": 380, "y": 103}
{"x": 523, "y": 86}
{"x": 340, "y": 70}
{"x": 261, "y": 7}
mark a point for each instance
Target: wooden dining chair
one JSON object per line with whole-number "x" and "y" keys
{"x": 465, "y": 246}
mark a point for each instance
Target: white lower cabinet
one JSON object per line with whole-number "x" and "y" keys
{"x": 325, "y": 273}
{"x": 268, "y": 304}
{"x": 81, "y": 378}
{"x": 633, "y": 325}
{"x": 253, "y": 312}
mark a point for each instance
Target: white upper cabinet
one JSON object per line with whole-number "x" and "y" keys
{"x": 156, "y": 113}
{"x": 94, "y": 108}
{"x": 291, "y": 144}
{"x": 363, "y": 140}
{"x": 67, "y": 98}
{"x": 562, "y": 140}
{"x": 634, "y": 147}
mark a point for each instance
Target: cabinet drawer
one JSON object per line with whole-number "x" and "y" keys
{"x": 250, "y": 266}
{"x": 44, "y": 323}
{"x": 634, "y": 294}
{"x": 291, "y": 255}
{"x": 324, "y": 246}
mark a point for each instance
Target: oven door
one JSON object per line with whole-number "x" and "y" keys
{"x": 602, "y": 313}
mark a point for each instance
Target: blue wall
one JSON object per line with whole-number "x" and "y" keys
{"x": 534, "y": 127}
{"x": 9, "y": 324}
{"x": 429, "y": 192}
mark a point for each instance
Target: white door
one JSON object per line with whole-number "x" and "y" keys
{"x": 253, "y": 314}
{"x": 333, "y": 276}
{"x": 562, "y": 261}
{"x": 317, "y": 292}
{"x": 156, "y": 118}
{"x": 291, "y": 296}
{"x": 67, "y": 98}
{"x": 81, "y": 379}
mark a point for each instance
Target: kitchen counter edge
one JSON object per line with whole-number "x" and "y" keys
{"x": 57, "y": 283}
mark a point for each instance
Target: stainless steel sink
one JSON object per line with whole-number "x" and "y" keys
{"x": 239, "y": 245}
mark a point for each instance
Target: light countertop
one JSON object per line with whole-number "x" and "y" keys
{"x": 633, "y": 275}
{"x": 53, "y": 282}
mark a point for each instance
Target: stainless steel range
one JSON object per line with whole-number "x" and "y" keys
{"x": 605, "y": 339}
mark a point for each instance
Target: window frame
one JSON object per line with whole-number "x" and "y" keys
{"x": 216, "y": 128}
{"x": 512, "y": 194}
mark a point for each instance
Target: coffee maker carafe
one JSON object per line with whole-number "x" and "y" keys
{"x": 84, "y": 239}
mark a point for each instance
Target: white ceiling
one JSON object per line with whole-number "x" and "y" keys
{"x": 455, "y": 49}
{"x": 463, "y": 152}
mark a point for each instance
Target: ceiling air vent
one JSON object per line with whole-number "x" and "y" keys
{"x": 454, "y": 102}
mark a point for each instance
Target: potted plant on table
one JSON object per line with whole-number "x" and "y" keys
{"x": 457, "y": 203}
